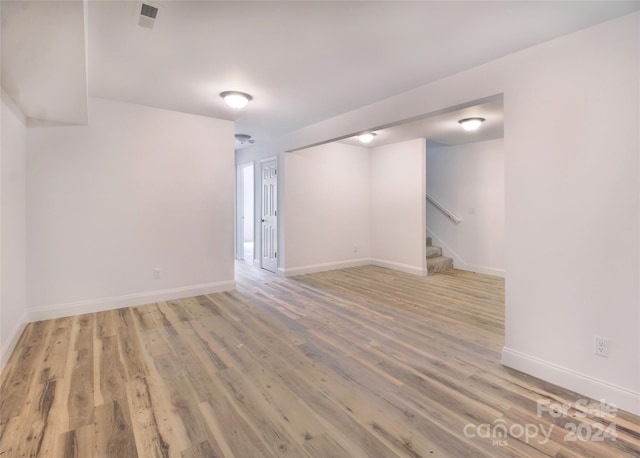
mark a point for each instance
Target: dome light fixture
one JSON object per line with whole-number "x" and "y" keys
{"x": 470, "y": 124}
{"x": 366, "y": 137}
{"x": 241, "y": 139}
{"x": 236, "y": 99}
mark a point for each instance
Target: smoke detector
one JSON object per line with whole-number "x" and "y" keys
{"x": 147, "y": 13}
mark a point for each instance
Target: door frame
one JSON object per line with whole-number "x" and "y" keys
{"x": 239, "y": 209}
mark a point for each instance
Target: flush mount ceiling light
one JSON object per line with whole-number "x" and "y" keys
{"x": 236, "y": 99}
{"x": 471, "y": 123}
{"x": 241, "y": 139}
{"x": 366, "y": 137}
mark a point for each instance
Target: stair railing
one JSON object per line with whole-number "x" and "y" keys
{"x": 443, "y": 209}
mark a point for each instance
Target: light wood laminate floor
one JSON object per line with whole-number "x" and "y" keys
{"x": 361, "y": 362}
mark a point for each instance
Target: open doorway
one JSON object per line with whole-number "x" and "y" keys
{"x": 245, "y": 212}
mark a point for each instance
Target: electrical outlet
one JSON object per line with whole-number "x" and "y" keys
{"x": 601, "y": 346}
{"x": 355, "y": 248}
{"x": 156, "y": 274}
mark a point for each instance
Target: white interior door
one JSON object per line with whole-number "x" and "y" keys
{"x": 269, "y": 254}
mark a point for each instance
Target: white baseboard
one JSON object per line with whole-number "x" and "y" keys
{"x": 622, "y": 398}
{"x": 460, "y": 263}
{"x": 10, "y": 344}
{"x": 291, "y": 272}
{"x": 49, "y": 312}
{"x": 479, "y": 269}
{"x": 415, "y": 270}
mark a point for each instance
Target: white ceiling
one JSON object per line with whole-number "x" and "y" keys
{"x": 43, "y": 59}
{"x": 444, "y": 127}
{"x": 304, "y": 61}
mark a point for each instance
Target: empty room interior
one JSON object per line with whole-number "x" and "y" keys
{"x": 320, "y": 229}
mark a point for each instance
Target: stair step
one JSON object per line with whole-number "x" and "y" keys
{"x": 428, "y": 241}
{"x": 433, "y": 251}
{"x": 438, "y": 264}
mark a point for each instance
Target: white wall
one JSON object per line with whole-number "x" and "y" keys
{"x": 138, "y": 188}
{"x": 398, "y": 206}
{"x": 327, "y": 208}
{"x": 334, "y": 191}
{"x": 572, "y": 210}
{"x": 13, "y": 304}
{"x": 469, "y": 181}
{"x": 572, "y": 199}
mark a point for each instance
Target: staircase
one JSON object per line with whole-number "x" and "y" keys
{"x": 435, "y": 261}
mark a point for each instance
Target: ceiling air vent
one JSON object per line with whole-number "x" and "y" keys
{"x": 148, "y": 15}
